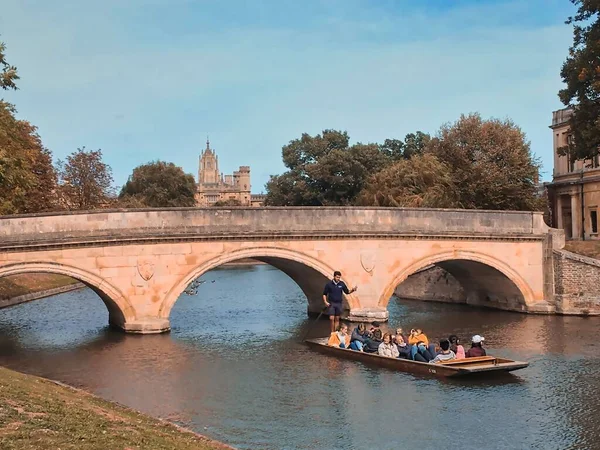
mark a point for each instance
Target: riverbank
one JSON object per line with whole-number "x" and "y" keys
{"x": 38, "y": 413}
{"x": 29, "y": 283}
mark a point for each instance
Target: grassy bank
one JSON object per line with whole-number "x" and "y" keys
{"x": 39, "y": 414}
{"x": 586, "y": 248}
{"x": 16, "y": 285}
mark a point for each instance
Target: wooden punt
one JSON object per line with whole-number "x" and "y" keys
{"x": 479, "y": 366}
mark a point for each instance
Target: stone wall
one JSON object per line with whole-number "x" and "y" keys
{"x": 576, "y": 283}
{"x": 432, "y": 284}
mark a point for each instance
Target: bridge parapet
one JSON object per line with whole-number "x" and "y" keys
{"x": 246, "y": 222}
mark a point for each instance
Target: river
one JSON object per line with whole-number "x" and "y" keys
{"x": 233, "y": 368}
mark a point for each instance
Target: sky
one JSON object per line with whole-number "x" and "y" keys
{"x": 148, "y": 80}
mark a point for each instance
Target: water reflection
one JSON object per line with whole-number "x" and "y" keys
{"x": 233, "y": 368}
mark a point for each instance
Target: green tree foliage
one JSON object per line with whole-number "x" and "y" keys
{"x": 581, "y": 73}
{"x": 421, "y": 181}
{"x": 159, "y": 185}
{"x": 491, "y": 163}
{"x": 85, "y": 181}
{"x": 324, "y": 170}
{"x": 27, "y": 177}
{"x": 8, "y": 74}
{"x": 413, "y": 144}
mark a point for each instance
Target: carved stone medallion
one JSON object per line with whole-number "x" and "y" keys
{"x": 145, "y": 268}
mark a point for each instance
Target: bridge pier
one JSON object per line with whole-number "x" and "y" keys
{"x": 146, "y": 325}
{"x": 368, "y": 314}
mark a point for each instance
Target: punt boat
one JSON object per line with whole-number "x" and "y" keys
{"x": 483, "y": 365}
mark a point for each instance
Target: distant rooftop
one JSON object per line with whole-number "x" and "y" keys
{"x": 561, "y": 117}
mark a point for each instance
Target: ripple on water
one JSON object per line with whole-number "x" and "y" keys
{"x": 233, "y": 368}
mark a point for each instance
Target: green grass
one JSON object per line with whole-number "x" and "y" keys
{"x": 36, "y": 413}
{"x": 15, "y": 285}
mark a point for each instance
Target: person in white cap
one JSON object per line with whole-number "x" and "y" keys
{"x": 476, "y": 347}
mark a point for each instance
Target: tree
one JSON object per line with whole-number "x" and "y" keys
{"x": 228, "y": 202}
{"x": 581, "y": 73}
{"x": 160, "y": 185}
{"x": 8, "y": 75}
{"x": 491, "y": 163}
{"x": 324, "y": 170}
{"x": 414, "y": 144}
{"x": 27, "y": 177}
{"x": 421, "y": 181}
{"x": 85, "y": 180}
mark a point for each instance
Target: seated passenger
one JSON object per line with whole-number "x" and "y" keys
{"x": 421, "y": 353}
{"x": 374, "y": 326}
{"x": 358, "y": 338}
{"x": 387, "y": 347}
{"x": 445, "y": 353}
{"x": 402, "y": 346}
{"x": 416, "y": 335}
{"x": 340, "y": 338}
{"x": 372, "y": 343}
{"x": 476, "y": 347}
{"x": 400, "y": 332}
{"x": 455, "y": 346}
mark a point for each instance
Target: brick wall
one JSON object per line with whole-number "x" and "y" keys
{"x": 576, "y": 283}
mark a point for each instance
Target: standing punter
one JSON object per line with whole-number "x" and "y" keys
{"x": 332, "y": 296}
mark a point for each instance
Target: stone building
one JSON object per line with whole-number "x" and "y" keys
{"x": 574, "y": 194}
{"x": 213, "y": 186}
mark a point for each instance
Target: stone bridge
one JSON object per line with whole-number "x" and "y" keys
{"x": 140, "y": 261}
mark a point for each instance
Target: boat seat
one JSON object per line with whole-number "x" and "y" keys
{"x": 476, "y": 360}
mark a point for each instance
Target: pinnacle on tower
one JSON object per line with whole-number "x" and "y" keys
{"x": 207, "y": 143}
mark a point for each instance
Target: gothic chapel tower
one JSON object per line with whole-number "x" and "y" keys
{"x": 208, "y": 169}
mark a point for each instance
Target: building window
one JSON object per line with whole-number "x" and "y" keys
{"x": 571, "y": 163}
{"x": 594, "y": 221}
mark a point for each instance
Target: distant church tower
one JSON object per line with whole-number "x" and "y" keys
{"x": 214, "y": 187}
{"x": 208, "y": 169}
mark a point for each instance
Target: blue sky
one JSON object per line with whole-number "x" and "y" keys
{"x": 148, "y": 80}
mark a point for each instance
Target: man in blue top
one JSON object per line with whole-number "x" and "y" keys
{"x": 332, "y": 296}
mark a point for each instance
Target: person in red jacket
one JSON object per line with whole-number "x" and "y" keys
{"x": 476, "y": 347}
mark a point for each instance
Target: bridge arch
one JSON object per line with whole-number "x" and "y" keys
{"x": 480, "y": 274}
{"x": 120, "y": 310}
{"x": 309, "y": 273}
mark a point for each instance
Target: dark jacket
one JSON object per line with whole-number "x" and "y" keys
{"x": 371, "y": 345}
{"x": 356, "y": 336}
{"x": 404, "y": 351}
{"x": 475, "y": 351}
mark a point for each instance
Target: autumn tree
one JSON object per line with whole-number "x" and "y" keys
{"x": 324, "y": 170}
{"x": 491, "y": 163}
{"x": 27, "y": 177}
{"x": 85, "y": 180}
{"x": 581, "y": 73}
{"x": 413, "y": 144}
{"x": 421, "y": 181}
{"x": 159, "y": 184}
{"x": 8, "y": 75}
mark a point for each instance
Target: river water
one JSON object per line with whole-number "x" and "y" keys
{"x": 233, "y": 368}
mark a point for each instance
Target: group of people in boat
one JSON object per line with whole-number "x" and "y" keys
{"x": 415, "y": 346}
